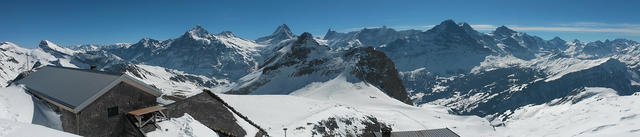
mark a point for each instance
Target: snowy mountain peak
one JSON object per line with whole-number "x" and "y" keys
{"x": 465, "y": 25}
{"x": 283, "y": 29}
{"x": 198, "y": 32}
{"x": 46, "y": 43}
{"x": 306, "y": 42}
{"x": 48, "y": 46}
{"x": 281, "y": 33}
{"x": 503, "y": 30}
{"x": 447, "y": 26}
{"x": 467, "y": 28}
{"x": 306, "y": 37}
{"x": 226, "y": 34}
{"x": 576, "y": 41}
{"x": 448, "y": 22}
{"x": 557, "y": 40}
{"x": 147, "y": 42}
{"x": 330, "y": 34}
{"x": 8, "y": 45}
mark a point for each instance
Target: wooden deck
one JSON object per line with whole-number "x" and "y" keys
{"x": 148, "y": 110}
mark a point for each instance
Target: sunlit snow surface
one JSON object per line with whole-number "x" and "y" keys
{"x": 596, "y": 112}
{"x": 16, "y": 113}
{"x": 185, "y": 126}
{"x": 338, "y": 98}
{"x": 600, "y": 112}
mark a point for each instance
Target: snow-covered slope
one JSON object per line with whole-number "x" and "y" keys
{"x": 304, "y": 61}
{"x": 15, "y": 59}
{"x": 184, "y": 126}
{"x": 521, "y": 83}
{"x": 17, "y": 113}
{"x": 175, "y": 83}
{"x": 451, "y": 64}
{"x": 590, "y": 111}
{"x": 446, "y": 49}
{"x": 19, "y": 129}
{"x": 374, "y": 37}
{"x": 280, "y": 34}
{"x": 221, "y": 56}
{"x": 342, "y": 108}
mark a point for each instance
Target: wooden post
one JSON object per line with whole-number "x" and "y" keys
{"x": 285, "y": 132}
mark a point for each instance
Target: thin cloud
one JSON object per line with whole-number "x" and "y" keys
{"x": 601, "y": 25}
{"x": 577, "y": 29}
{"x": 483, "y": 27}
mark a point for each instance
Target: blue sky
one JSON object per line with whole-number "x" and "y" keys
{"x": 68, "y": 22}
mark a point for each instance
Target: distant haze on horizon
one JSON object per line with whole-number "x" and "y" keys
{"x": 71, "y": 22}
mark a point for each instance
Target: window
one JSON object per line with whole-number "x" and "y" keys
{"x": 112, "y": 111}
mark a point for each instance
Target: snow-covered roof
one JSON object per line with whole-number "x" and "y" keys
{"x": 73, "y": 89}
{"x": 442, "y": 132}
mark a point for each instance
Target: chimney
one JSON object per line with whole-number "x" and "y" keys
{"x": 94, "y": 67}
{"x": 386, "y": 131}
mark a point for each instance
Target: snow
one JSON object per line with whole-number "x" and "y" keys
{"x": 248, "y": 128}
{"x": 55, "y": 47}
{"x": 17, "y": 111}
{"x": 9, "y": 128}
{"x": 599, "y": 112}
{"x": 15, "y": 104}
{"x": 161, "y": 78}
{"x": 341, "y": 99}
{"x": 185, "y": 126}
{"x": 16, "y": 59}
{"x": 239, "y": 42}
{"x": 555, "y": 68}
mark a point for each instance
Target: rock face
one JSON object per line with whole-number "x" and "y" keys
{"x": 305, "y": 61}
{"x": 208, "y": 111}
{"x": 374, "y": 67}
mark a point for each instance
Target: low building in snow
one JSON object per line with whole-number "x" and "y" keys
{"x": 100, "y": 104}
{"x": 91, "y": 102}
{"x": 442, "y": 132}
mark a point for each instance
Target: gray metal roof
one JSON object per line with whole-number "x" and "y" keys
{"x": 75, "y": 88}
{"x": 443, "y": 132}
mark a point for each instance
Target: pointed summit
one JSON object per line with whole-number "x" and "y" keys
{"x": 448, "y": 22}
{"x": 557, "y": 39}
{"x": 283, "y": 29}
{"x": 48, "y": 46}
{"x": 146, "y": 43}
{"x": 281, "y": 33}
{"x": 197, "y": 32}
{"x": 330, "y": 34}
{"x": 447, "y": 26}
{"x": 467, "y": 28}
{"x": 45, "y": 44}
{"x": 556, "y": 43}
{"x": 306, "y": 41}
{"x": 226, "y": 34}
{"x": 465, "y": 25}
{"x": 306, "y": 36}
{"x": 503, "y": 30}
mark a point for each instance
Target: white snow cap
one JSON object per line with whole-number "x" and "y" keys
{"x": 48, "y": 45}
{"x": 283, "y": 29}
{"x": 198, "y": 32}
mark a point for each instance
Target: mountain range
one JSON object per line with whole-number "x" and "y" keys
{"x": 452, "y": 65}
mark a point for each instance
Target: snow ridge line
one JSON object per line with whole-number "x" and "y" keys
{"x": 235, "y": 111}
